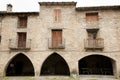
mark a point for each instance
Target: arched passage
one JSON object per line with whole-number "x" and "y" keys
{"x": 55, "y": 65}
{"x": 96, "y": 65}
{"x": 20, "y": 65}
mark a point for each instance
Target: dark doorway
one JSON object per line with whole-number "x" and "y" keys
{"x": 55, "y": 65}
{"x": 92, "y": 33}
{"x": 20, "y": 65}
{"x": 96, "y": 65}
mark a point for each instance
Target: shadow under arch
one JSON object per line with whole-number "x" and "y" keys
{"x": 20, "y": 65}
{"x": 55, "y": 65}
{"x": 97, "y": 65}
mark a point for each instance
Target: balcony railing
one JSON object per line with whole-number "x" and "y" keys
{"x": 14, "y": 44}
{"x": 94, "y": 44}
{"x": 94, "y": 24}
{"x": 56, "y": 43}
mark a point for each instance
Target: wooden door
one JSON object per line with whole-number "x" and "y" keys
{"x": 56, "y": 38}
{"x": 21, "y": 40}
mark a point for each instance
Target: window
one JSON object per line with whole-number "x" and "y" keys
{"x": 0, "y": 19}
{"x": 22, "y": 40}
{"x": 92, "y": 33}
{"x": 90, "y": 17}
{"x": 0, "y": 39}
{"x": 56, "y": 38}
{"x": 93, "y": 42}
{"x": 57, "y": 15}
{"x": 22, "y": 22}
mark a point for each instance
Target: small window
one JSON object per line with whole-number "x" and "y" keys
{"x": 90, "y": 17}
{"x": 57, "y": 15}
{"x": 0, "y": 39}
{"x": 0, "y": 19}
{"x": 22, "y": 36}
{"x": 22, "y": 22}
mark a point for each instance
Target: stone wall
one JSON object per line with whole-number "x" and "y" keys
{"x": 73, "y": 24}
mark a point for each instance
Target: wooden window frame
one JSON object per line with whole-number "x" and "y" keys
{"x": 22, "y": 21}
{"x": 57, "y": 15}
{"x": 23, "y": 42}
{"x": 92, "y": 17}
{"x": 0, "y": 38}
{"x": 54, "y": 43}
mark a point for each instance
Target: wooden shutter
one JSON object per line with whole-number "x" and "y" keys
{"x": 21, "y": 40}
{"x": 92, "y": 17}
{"x": 0, "y": 39}
{"x": 22, "y": 21}
{"x": 57, "y": 14}
{"x": 56, "y": 38}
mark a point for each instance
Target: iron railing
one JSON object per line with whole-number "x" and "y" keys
{"x": 94, "y": 44}
{"x": 14, "y": 44}
{"x": 56, "y": 43}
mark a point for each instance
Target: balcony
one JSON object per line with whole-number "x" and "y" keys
{"x": 14, "y": 44}
{"x": 56, "y": 43}
{"x": 92, "y": 25}
{"x": 94, "y": 43}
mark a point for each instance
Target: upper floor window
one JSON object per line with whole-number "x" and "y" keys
{"x": 57, "y": 15}
{"x": 56, "y": 41}
{"x": 0, "y": 39}
{"x": 92, "y": 33}
{"x": 22, "y": 22}
{"x": 91, "y": 17}
{"x": 0, "y": 19}
{"x": 56, "y": 37}
{"x": 22, "y": 36}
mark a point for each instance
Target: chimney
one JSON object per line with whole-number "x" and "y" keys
{"x": 9, "y": 8}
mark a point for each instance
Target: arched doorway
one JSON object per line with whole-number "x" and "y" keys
{"x": 20, "y": 65}
{"x": 55, "y": 65}
{"x": 96, "y": 65}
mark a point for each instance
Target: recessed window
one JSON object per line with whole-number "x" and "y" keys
{"x": 0, "y": 39}
{"x": 0, "y": 19}
{"x": 91, "y": 17}
{"x": 22, "y": 40}
{"x": 22, "y": 23}
{"x": 56, "y": 41}
{"x": 92, "y": 33}
{"x": 57, "y": 15}
{"x": 56, "y": 37}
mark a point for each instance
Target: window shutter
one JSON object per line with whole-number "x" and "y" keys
{"x": 57, "y": 14}
{"x": 23, "y": 22}
{"x": 91, "y": 17}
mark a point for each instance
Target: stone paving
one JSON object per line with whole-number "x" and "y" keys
{"x": 55, "y": 78}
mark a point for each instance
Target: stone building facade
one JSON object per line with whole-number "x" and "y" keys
{"x": 61, "y": 39}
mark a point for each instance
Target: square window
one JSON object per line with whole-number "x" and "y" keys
{"x": 91, "y": 17}
{"x": 22, "y": 23}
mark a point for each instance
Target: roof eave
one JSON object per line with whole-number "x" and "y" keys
{"x": 98, "y": 8}
{"x": 58, "y": 3}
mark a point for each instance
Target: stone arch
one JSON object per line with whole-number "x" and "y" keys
{"x": 20, "y": 65}
{"x": 96, "y": 65}
{"x": 55, "y": 65}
